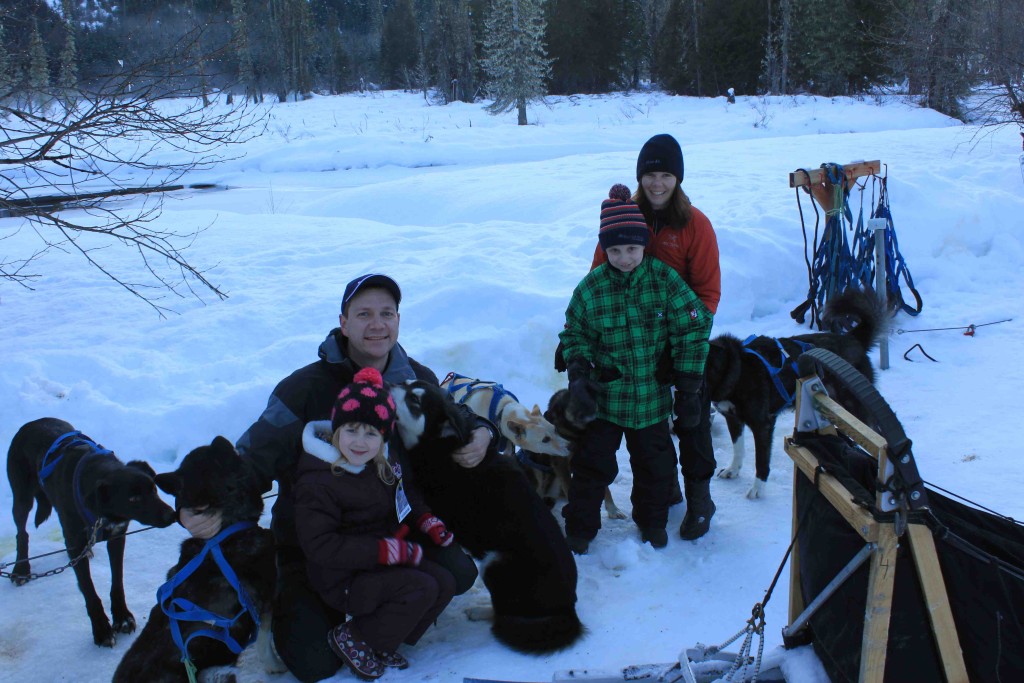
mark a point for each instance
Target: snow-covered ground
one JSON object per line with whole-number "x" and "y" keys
{"x": 488, "y": 226}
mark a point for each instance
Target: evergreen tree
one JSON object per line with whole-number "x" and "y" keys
{"x": 632, "y": 42}
{"x": 400, "y": 46}
{"x": 934, "y": 42}
{"x": 6, "y": 71}
{"x": 998, "y": 30}
{"x": 588, "y": 40}
{"x": 732, "y": 40}
{"x": 68, "y": 77}
{"x": 332, "y": 63}
{"x": 246, "y": 68}
{"x": 38, "y": 69}
{"x": 451, "y": 51}
{"x": 827, "y": 33}
{"x": 516, "y": 62}
{"x": 673, "y": 58}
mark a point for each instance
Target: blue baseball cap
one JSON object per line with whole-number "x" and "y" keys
{"x": 369, "y": 281}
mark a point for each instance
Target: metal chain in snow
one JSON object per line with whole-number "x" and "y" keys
{"x": 87, "y": 552}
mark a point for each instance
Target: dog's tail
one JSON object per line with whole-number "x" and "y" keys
{"x": 858, "y": 313}
{"x": 538, "y": 635}
{"x": 43, "y": 508}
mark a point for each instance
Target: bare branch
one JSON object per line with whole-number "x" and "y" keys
{"x": 68, "y": 160}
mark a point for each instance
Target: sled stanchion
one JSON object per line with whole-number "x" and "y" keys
{"x": 881, "y": 532}
{"x": 878, "y": 610}
{"x": 934, "y": 587}
{"x": 878, "y": 226}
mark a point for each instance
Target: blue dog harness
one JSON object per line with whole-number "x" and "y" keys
{"x": 473, "y": 385}
{"x": 773, "y": 371}
{"x": 498, "y": 393}
{"x": 180, "y": 609}
{"x": 47, "y": 466}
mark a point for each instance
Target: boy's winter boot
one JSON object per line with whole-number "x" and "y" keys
{"x": 354, "y": 652}
{"x": 658, "y": 538}
{"x": 699, "y": 510}
{"x": 578, "y": 545}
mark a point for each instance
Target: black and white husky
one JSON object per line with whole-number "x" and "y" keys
{"x": 493, "y": 511}
{"x": 752, "y": 381}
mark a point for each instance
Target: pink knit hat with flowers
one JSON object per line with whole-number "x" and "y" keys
{"x": 365, "y": 400}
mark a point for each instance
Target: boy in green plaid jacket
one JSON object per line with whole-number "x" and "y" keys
{"x": 622, "y": 318}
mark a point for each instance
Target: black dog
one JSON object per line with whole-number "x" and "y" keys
{"x": 210, "y": 478}
{"x": 550, "y": 474}
{"x": 492, "y": 508}
{"x": 95, "y": 495}
{"x": 745, "y": 392}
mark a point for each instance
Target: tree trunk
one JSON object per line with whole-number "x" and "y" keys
{"x": 787, "y": 24}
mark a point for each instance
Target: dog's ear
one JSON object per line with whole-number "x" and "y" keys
{"x": 455, "y": 419}
{"x": 169, "y": 482}
{"x": 518, "y": 428}
{"x": 536, "y": 411}
{"x": 222, "y": 445}
{"x": 142, "y": 465}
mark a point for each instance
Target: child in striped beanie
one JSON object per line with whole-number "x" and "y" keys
{"x": 623, "y": 317}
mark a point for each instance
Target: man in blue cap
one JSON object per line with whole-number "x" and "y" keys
{"x": 367, "y": 337}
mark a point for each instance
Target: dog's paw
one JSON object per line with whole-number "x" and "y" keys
{"x": 220, "y": 674}
{"x": 124, "y": 623}
{"x": 104, "y": 637}
{"x": 480, "y": 613}
{"x": 756, "y": 490}
{"x": 19, "y": 579}
{"x": 615, "y": 513}
{"x": 729, "y": 473}
{"x": 266, "y": 650}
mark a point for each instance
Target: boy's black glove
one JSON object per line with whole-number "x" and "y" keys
{"x": 560, "y": 365}
{"x": 687, "y": 407}
{"x": 582, "y": 390}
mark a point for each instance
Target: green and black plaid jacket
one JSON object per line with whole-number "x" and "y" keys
{"x": 624, "y": 321}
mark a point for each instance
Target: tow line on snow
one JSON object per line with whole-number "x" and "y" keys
{"x": 88, "y": 549}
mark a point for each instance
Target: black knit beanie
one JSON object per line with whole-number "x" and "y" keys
{"x": 660, "y": 153}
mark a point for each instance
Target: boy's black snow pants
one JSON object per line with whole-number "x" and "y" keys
{"x": 652, "y": 459}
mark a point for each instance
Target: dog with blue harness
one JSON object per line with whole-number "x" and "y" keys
{"x": 95, "y": 495}
{"x": 520, "y": 427}
{"x": 751, "y": 381}
{"x": 217, "y": 598}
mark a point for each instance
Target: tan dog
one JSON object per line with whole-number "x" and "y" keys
{"x": 570, "y": 422}
{"x": 521, "y": 427}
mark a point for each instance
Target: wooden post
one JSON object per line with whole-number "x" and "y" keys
{"x": 879, "y": 226}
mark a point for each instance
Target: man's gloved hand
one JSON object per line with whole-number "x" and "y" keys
{"x": 687, "y": 406}
{"x": 473, "y": 453}
{"x": 435, "y": 528}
